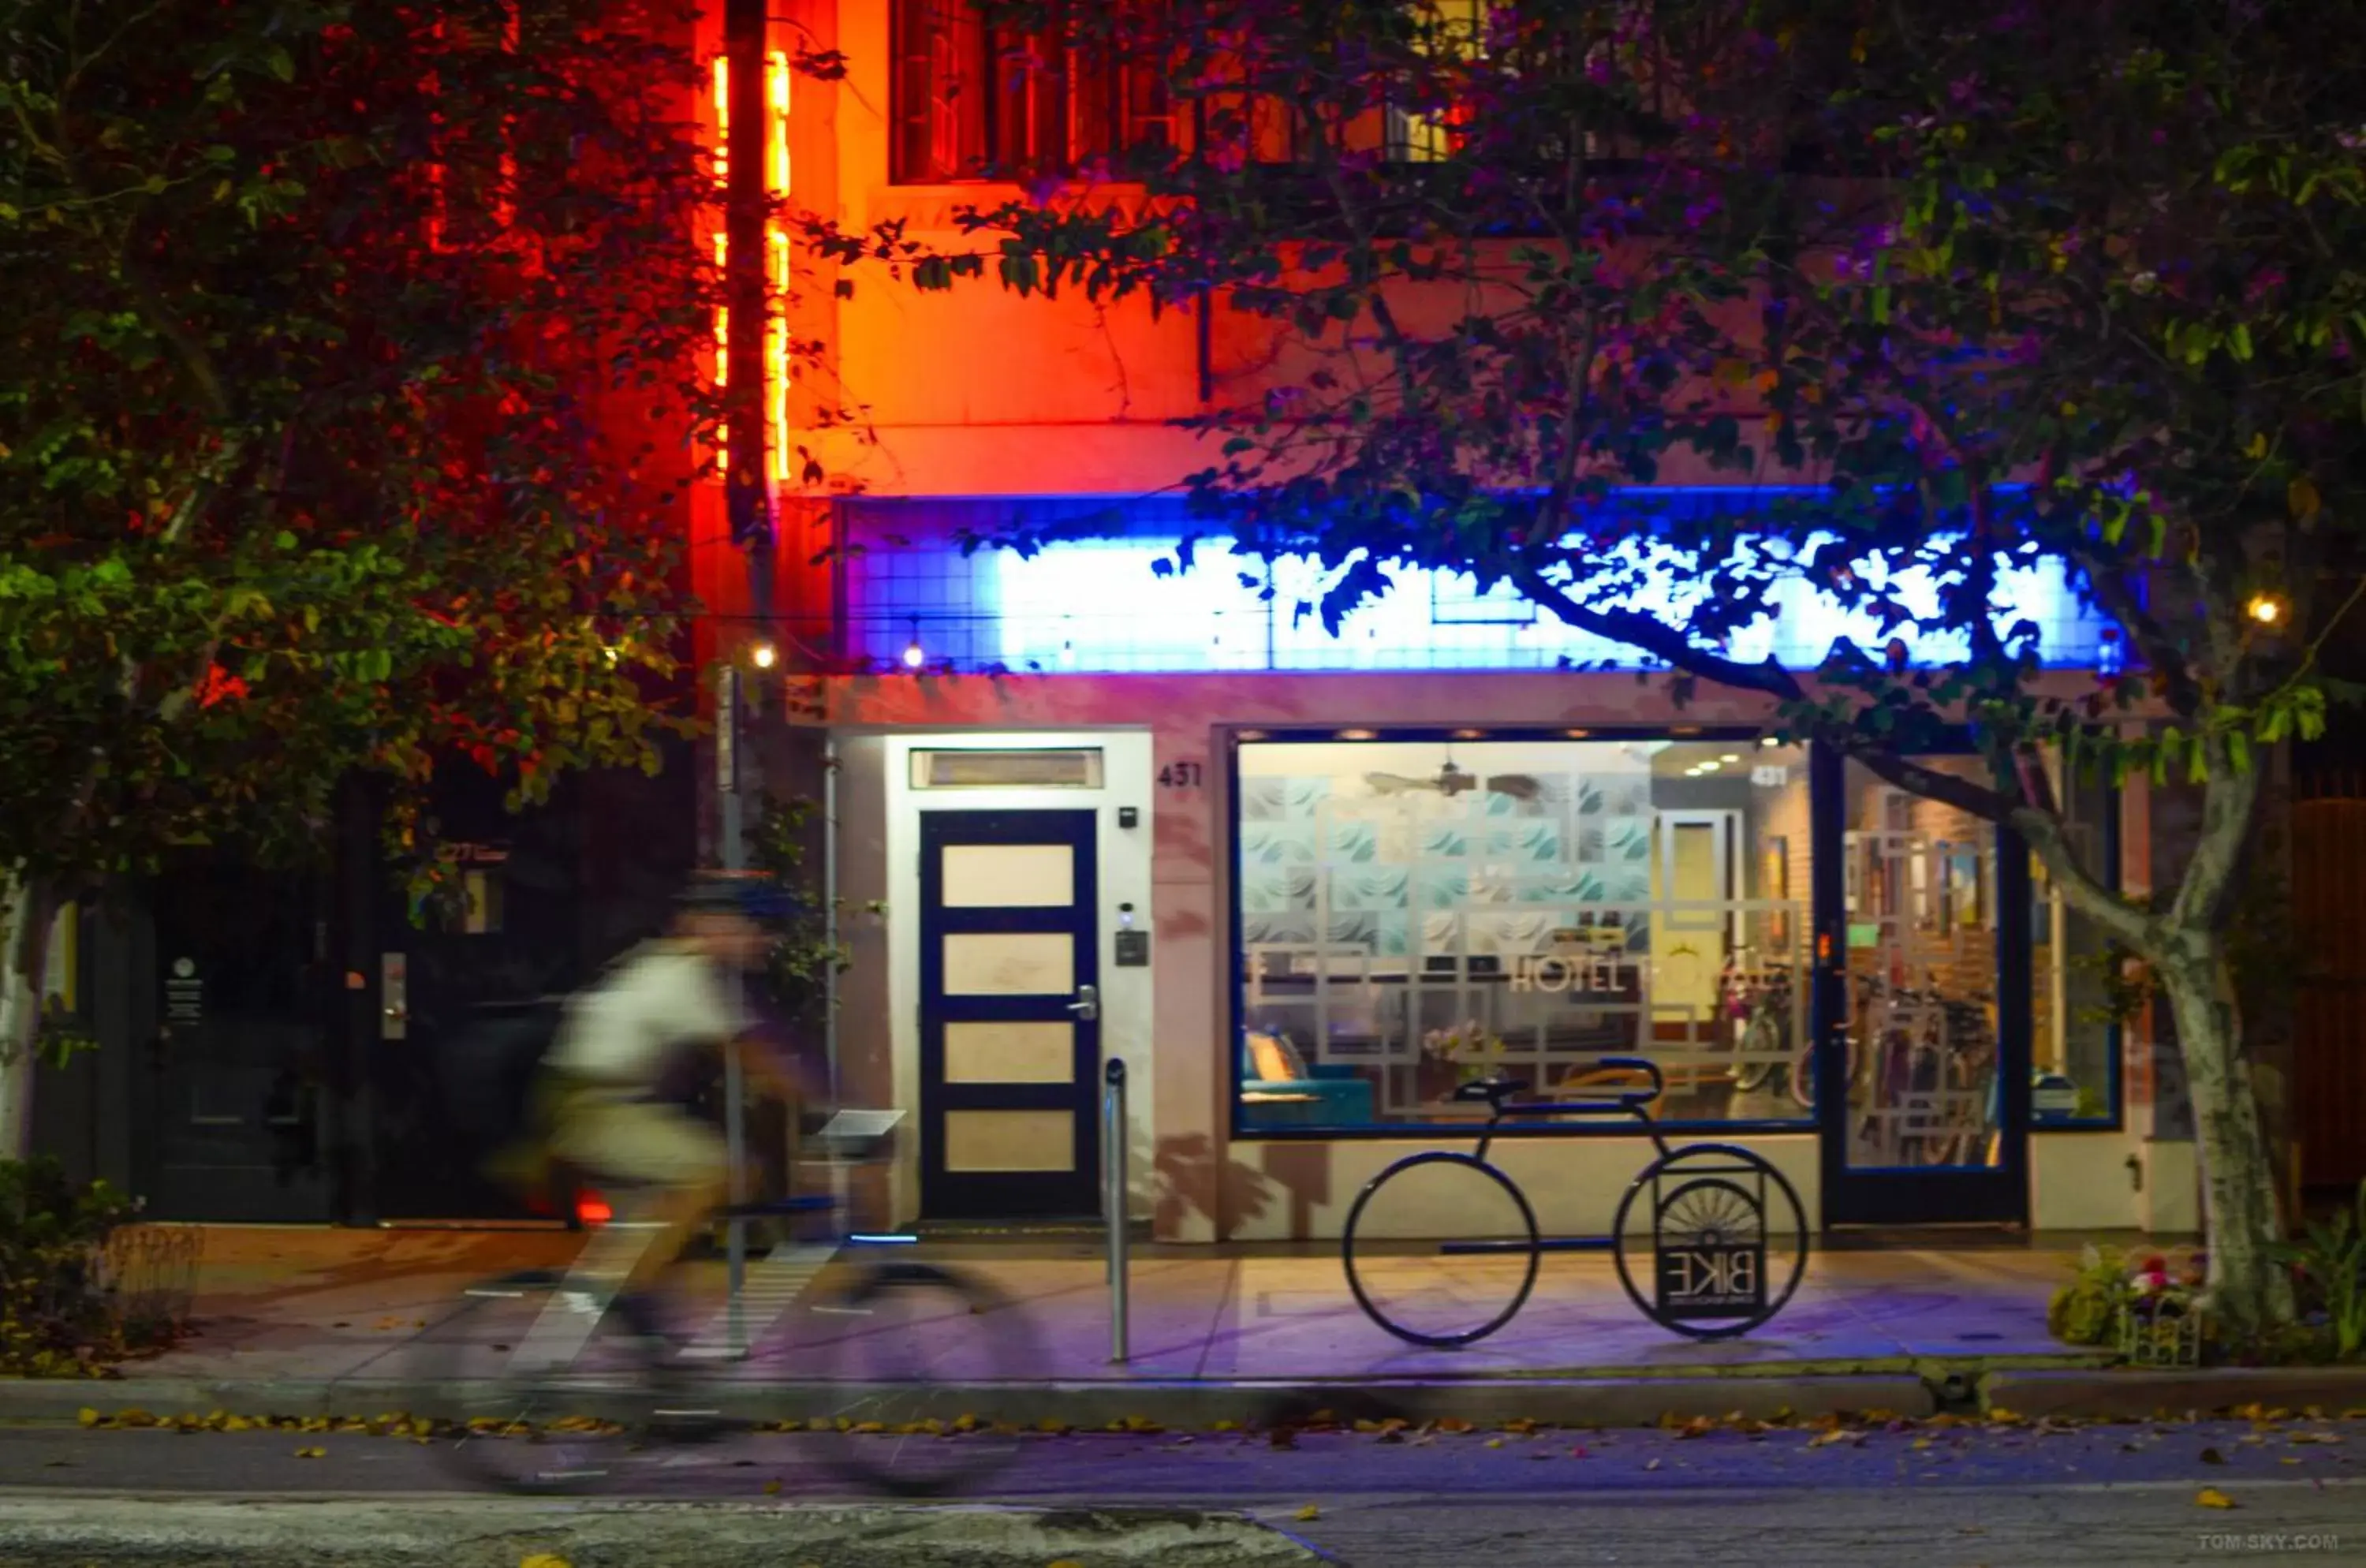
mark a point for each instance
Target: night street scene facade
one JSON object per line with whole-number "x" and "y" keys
{"x": 1077, "y": 782}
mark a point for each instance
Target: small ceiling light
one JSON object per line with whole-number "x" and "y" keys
{"x": 1770, "y": 742}
{"x": 1577, "y": 734}
{"x": 2267, "y": 609}
{"x": 1730, "y": 757}
{"x": 914, "y": 657}
{"x": 764, "y": 655}
{"x": 1358, "y": 735}
{"x": 1470, "y": 734}
{"x": 1710, "y": 767}
{"x": 1684, "y": 729}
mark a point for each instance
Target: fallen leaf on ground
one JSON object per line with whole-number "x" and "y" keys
{"x": 1651, "y": 1464}
{"x": 1452, "y": 1423}
{"x": 1578, "y": 1452}
{"x": 89, "y": 1416}
{"x": 1307, "y": 1513}
{"x": 311, "y": 1453}
{"x": 546, "y": 1560}
{"x": 1494, "y": 1442}
{"x": 2317, "y": 1436}
{"x": 2210, "y": 1497}
{"x": 1921, "y": 1442}
{"x": 1228, "y": 1425}
{"x": 771, "y": 1489}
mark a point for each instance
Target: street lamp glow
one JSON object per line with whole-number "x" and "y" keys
{"x": 913, "y": 656}
{"x": 2266, "y": 608}
{"x": 764, "y": 655}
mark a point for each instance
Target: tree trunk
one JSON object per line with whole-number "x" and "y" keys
{"x": 25, "y": 914}
{"x": 2248, "y": 1288}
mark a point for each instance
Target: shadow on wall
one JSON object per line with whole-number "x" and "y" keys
{"x": 1195, "y": 1182}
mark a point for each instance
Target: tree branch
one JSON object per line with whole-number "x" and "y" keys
{"x": 2042, "y": 830}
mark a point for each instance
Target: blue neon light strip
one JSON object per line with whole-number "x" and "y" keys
{"x": 1098, "y": 604}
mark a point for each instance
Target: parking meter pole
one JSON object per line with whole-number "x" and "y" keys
{"x": 735, "y": 1089}
{"x": 1113, "y": 1142}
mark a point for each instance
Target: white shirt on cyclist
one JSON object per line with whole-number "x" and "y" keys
{"x": 660, "y": 999}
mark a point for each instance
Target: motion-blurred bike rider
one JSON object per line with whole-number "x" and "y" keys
{"x": 609, "y": 1101}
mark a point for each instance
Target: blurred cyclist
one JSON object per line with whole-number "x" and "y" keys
{"x": 609, "y": 1097}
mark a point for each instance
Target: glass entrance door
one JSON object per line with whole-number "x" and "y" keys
{"x": 1924, "y": 1074}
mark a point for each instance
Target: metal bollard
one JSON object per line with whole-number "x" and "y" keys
{"x": 1113, "y": 1199}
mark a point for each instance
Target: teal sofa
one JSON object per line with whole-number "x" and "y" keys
{"x": 1341, "y": 1097}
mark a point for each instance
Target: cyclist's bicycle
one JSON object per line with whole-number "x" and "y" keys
{"x": 1709, "y": 1240}
{"x": 544, "y": 1390}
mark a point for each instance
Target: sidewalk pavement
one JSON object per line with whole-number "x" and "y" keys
{"x": 305, "y": 1320}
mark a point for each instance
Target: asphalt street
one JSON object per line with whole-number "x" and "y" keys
{"x": 2142, "y": 1495}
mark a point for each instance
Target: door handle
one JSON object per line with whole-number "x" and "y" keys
{"x": 1088, "y": 1005}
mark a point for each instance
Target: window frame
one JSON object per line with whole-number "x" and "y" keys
{"x": 1232, "y": 737}
{"x": 1020, "y": 120}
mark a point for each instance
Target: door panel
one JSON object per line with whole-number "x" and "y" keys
{"x": 1009, "y": 1037}
{"x": 240, "y": 1083}
{"x": 1932, "y": 1028}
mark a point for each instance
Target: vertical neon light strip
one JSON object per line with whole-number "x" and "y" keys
{"x": 776, "y": 245}
{"x": 722, "y": 251}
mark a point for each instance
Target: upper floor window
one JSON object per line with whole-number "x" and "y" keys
{"x": 977, "y": 99}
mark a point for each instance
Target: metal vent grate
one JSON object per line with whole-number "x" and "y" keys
{"x": 1071, "y": 769}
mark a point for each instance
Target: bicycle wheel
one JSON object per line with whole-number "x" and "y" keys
{"x": 883, "y": 1341}
{"x": 1431, "y": 1293}
{"x": 1719, "y": 1234}
{"x": 1762, "y": 1040}
{"x": 535, "y": 1392}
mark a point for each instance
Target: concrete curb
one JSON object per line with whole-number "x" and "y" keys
{"x": 1178, "y": 1405}
{"x": 2137, "y": 1393}
{"x": 494, "y": 1532}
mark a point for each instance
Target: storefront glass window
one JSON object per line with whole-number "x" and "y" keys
{"x": 2074, "y": 1042}
{"x": 1413, "y": 914}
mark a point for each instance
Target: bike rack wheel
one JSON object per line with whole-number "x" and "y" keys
{"x": 889, "y": 1332}
{"x": 1482, "y": 1182}
{"x": 1716, "y": 1197}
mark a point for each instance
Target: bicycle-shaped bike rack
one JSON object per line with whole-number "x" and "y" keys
{"x": 1715, "y": 1233}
